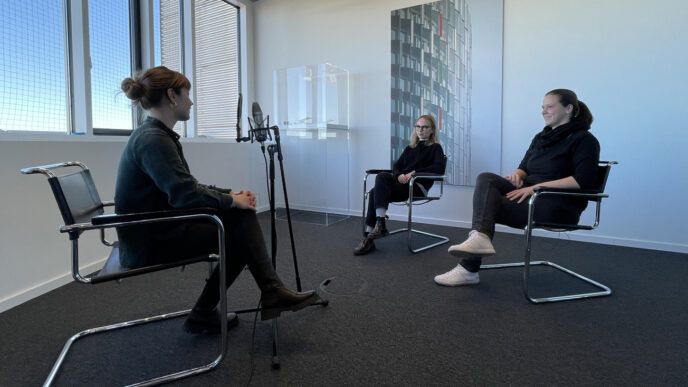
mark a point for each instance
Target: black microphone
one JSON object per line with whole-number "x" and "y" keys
{"x": 259, "y": 132}
{"x": 238, "y": 123}
{"x": 257, "y": 115}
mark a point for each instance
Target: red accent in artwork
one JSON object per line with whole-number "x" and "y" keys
{"x": 441, "y": 19}
{"x": 440, "y": 127}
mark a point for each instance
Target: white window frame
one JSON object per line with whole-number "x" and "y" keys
{"x": 78, "y": 74}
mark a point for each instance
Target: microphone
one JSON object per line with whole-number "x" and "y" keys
{"x": 260, "y": 132}
{"x": 238, "y": 123}
{"x": 257, "y": 115}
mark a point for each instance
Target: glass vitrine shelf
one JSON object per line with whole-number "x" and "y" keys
{"x": 312, "y": 111}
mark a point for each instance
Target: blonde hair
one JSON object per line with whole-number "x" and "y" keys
{"x": 433, "y": 136}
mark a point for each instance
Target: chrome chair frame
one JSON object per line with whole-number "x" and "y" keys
{"x": 410, "y": 203}
{"x": 105, "y": 221}
{"x": 592, "y": 195}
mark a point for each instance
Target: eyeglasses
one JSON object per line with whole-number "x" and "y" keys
{"x": 422, "y": 127}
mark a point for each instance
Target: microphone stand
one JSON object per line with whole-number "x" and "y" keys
{"x": 261, "y": 135}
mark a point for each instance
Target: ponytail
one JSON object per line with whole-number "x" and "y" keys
{"x": 580, "y": 112}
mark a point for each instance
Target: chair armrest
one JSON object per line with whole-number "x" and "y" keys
{"x": 429, "y": 176}
{"x": 102, "y": 220}
{"x": 569, "y": 190}
{"x": 426, "y": 176}
{"x": 590, "y": 194}
{"x": 376, "y": 171}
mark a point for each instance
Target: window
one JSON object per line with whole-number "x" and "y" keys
{"x": 109, "y": 38}
{"x": 43, "y": 90}
{"x": 62, "y": 65}
{"x": 216, "y": 68}
{"x": 168, "y": 43}
{"x": 215, "y": 65}
{"x": 32, "y": 52}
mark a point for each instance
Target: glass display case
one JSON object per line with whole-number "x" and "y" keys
{"x": 312, "y": 97}
{"x": 312, "y": 111}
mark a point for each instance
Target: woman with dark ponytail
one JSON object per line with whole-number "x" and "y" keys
{"x": 563, "y": 155}
{"x": 153, "y": 175}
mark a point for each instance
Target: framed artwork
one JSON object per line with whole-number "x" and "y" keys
{"x": 447, "y": 62}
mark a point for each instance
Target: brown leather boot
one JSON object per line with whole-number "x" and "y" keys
{"x": 279, "y": 299}
{"x": 365, "y": 247}
{"x": 380, "y": 229}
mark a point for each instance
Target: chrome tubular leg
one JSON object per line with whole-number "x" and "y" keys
{"x": 365, "y": 194}
{"x": 84, "y": 333}
{"x": 442, "y": 239}
{"x": 409, "y": 227}
{"x": 526, "y": 269}
{"x": 603, "y": 289}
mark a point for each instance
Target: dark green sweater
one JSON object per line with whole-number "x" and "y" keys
{"x": 154, "y": 176}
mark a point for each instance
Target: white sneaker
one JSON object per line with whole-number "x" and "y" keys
{"x": 476, "y": 244}
{"x": 458, "y": 276}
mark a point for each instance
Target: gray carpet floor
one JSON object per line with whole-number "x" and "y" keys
{"x": 387, "y": 323}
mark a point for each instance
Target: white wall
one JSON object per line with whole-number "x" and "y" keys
{"x": 624, "y": 58}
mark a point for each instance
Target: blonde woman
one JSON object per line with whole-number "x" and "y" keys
{"x": 424, "y": 154}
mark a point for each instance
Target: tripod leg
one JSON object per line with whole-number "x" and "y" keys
{"x": 275, "y": 348}
{"x": 291, "y": 231}
{"x": 273, "y": 240}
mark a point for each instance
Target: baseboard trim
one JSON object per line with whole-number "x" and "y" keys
{"x": 21, "y": 297}
{"x": 573, "y": 235}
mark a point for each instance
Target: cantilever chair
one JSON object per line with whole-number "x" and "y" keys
{"x": 410, "y": 202}
{"x": 82, "y": 210}
{"x": 594, "y": 195}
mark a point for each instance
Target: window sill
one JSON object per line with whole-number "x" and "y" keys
{"x": 59, "y": 137}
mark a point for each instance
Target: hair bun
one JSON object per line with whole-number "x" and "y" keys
{"x": 133, "y": 89}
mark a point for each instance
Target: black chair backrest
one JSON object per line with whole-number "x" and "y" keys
{"x": 76, "y": 196}
{"x": 602, "y": 174}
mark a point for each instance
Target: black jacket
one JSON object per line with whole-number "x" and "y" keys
{"x": 153, "y": 175}
{"x": 422, "y": 158}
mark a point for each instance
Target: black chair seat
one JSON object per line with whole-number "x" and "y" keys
{"x": 113, "y": 270}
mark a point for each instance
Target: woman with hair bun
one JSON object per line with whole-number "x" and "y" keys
{"x": 563, "y": 155}
{"x": 153, "y": 175}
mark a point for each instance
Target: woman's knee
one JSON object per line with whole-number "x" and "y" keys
{"x": 236, "y": 218}
{"x": 486, "y": 178}
{"x": 382, "y": 178}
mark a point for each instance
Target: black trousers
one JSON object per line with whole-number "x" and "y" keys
{"x": 244, "y": 245}
{"x": 387, "y": 189}
{"x": 490, "y": 206}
